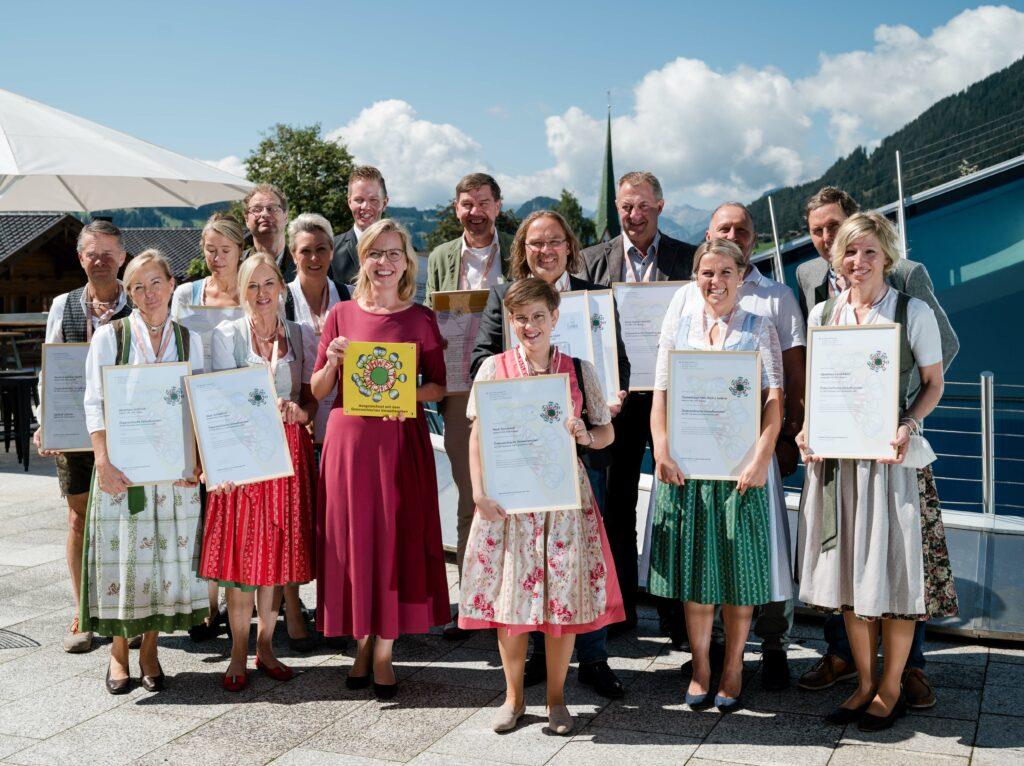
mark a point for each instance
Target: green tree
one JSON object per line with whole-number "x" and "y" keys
{"x": 449, "y": 228}
{"x": 312, "y": 171}
{"x": 197, "y": 269}
{"x": 572, "y": 212}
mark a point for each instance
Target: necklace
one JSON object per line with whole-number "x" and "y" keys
{"x": 272, "y": 336}
{"x": 153, "y": 328}
{"x": 526, "y": 369}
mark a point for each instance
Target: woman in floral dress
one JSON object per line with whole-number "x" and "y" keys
{"x": 546, "y": 571}
{"x": 871, "y": 543}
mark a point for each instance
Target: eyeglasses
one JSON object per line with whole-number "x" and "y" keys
{"x": 393, "y": 256}
{"x": 537, "y": 320}
{"x": 272, "y": 209}
{"x": 552, "y": 244}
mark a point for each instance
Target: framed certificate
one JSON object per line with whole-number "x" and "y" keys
{"x": 379, "y": 379}
{"x": 572, "y": 335}
{"x": 853, "y": 375}
{"x": 528, "y": 459}
{"x": 642, "y": 307}
{"x": 458, "y": 316}
{"x": 204, "y": 320}
{"x": 238, "y": 427}
{"x": 714, "y": 411}
{"x": 605, "y": 341}
{"x": 61, "y": 406}
{"x": 149, "y": 430}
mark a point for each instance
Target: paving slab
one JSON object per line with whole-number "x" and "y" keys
{"x": 1000, "y": 741}
{"x": 597, "y": 746}
{"x": 920, "y": 734}
{"x": 770, "y": 739}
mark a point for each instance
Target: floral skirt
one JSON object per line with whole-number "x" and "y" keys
{"x": 138, "y": 569}
{"x": 550, "y": 572}
{"x": 262, "y": 533}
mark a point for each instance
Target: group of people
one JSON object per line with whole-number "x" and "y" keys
{"x": 360, "y": 514}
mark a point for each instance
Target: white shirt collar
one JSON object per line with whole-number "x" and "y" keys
{"x": 494, "y": 241}
{"x": 359, "y": 232}
{"x": 562, "y": 283}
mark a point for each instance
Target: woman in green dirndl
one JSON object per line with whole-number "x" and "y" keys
{"x": 711, "y": 540}
{"x": 141, "y": 546}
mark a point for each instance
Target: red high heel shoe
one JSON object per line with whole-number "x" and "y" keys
{"x": 235, "y": 683}
{"x": 281, "y": 673}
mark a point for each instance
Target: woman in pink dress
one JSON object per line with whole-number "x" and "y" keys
{"x": 549, "y": 571}
{"x": 380, "y": 564}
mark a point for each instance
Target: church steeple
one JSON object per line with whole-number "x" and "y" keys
{"x": 607, "y": 217}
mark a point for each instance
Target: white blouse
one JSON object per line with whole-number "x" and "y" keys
{"x": 302, "y": 313}
{"x": 103, "y": 353}
{"x": 223, "y": 353}
{"x": 922, "y": 327}
{"x": 764, "y": 329}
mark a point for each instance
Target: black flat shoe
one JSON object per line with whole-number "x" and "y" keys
{"x": 385, "y": 691}
{"x": 206, "y": 631}
{"x": 601, "y": 678}
{"x": 870, "y": 722}
{"x": 841, "y": 716}
{"x": 358, "y": 682}
{"x": 153, "y": 683}
{"x": 122, "y": 686}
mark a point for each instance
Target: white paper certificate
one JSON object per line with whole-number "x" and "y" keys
{"x": 240, "y": 433}
{"x": 458, "y": 317}
{"x": 714, "y": 411}
{"x": 528, "y": 458}
{"x": 605, "y": 342}
{"x": 204, "y": 320}
{"x": 572, "y": 335}
{"x": 149, "y": 431}
{"x": 642, "y": 307}
{"x": 63, "y": 395}
{"x": 853, "y": 375}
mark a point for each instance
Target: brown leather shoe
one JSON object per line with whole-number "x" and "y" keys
{"x": 917, "y": 690}
{"x": 826, "y": 672}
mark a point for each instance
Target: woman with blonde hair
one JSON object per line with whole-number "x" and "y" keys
{"x": 380, "y": 564}
{"x": 259, "y": 536}
{"x": 871, "y": 542}
{"x": 141, "y": 542}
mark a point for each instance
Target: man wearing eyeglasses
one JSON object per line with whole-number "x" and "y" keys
{"x": 642, "y": 253}
{"x": 266, "y": 215}
{"x": 477, "y": 260}
{"x": 367, "y": 199}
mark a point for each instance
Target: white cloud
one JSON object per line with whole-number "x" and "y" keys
{"x": 869, "y": 94}
{"x": 421, "y": 160}
{"x": 230, "y": 164}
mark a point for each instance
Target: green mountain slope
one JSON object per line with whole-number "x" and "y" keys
{"x": 973, "y": 129}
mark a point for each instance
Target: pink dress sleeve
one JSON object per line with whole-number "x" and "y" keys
{"x": 431, "y": 352}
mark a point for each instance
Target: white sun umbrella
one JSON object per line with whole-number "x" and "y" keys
{"x": 52, "y": 160}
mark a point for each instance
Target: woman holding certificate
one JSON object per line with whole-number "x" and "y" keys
{"x": 380, "y": 564}
{"x": 222, "y": 242}
{"x": 141, "y": 542}
{"x": 259, "y": 535}
{"x": 871, "y": 544}
{"x": 712, "y": 540}
{"x": 548, "y": 571}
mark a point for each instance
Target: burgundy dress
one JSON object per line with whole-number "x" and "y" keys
{"x": 380, "y": 564}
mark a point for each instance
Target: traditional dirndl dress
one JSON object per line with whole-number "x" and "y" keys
{"x": 708, "y": 543}
{"x": 262, "y": 533}
{"x": 141, "y": 548}
{"x": 550, "y": 571}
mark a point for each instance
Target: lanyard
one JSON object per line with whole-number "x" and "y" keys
{"x": 274, "y": 352}
{"x": 319, "y": 320}
{"x": 464, "y": 268}
{"x": 525, "y": 368}
{"x": 103, "y": 318}
{"x": 141, "y": 344}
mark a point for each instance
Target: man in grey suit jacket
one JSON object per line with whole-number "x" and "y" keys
{"x": 641, "y": 253}
{"x": 824, "y": 212}
{"x": 367, "y": 199}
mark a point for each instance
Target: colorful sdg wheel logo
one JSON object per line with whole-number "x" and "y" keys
{"x": 378, "y": 373}
{"x": 739, "y": 387}
{"x": 551, "y": 412}
{"x": 878, "y": 361}
{"x": 173, "y": 395}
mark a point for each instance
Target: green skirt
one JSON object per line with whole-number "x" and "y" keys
{"x": 711, "y": 545}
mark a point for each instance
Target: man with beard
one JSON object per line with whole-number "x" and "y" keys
{"x": 73, "y": 318}
{"x": 477, "y": 260}
{"x": 367, "y": 199}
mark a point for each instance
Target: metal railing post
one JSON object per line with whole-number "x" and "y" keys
{"x": 901, "y": 213}
{"x": 988, "y": 443}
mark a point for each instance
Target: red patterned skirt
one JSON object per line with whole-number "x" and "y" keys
{"x": 262, "y": 534}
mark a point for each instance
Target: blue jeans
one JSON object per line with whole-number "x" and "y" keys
{"x": 839, "y": 642}
{"x": 590, "y": 647}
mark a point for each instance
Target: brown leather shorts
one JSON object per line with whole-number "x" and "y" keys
{"x": 74, "y": 472}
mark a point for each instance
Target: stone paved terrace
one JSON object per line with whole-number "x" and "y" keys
{"x": 54, "y": 710}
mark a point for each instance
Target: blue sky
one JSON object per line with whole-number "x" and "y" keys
{"x": 720, "y": 100}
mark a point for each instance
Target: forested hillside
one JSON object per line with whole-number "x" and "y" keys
{"x": 970, "y": 130}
